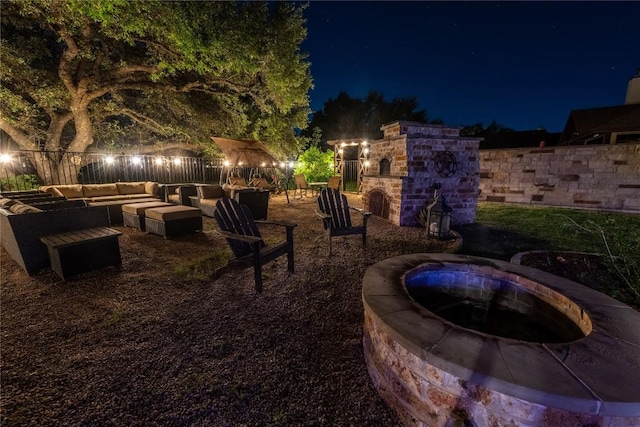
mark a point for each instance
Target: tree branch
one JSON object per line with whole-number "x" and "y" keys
{"x": 56, "y": 126}
{"x": 208, "y": 87}
{"x": 143, "y": 120}
{"x": 20, "y": 138}
{"x": 133, "y": 69}
{"x": 66, "y": 59}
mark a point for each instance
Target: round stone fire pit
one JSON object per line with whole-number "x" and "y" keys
{"x": 456, "y": 339}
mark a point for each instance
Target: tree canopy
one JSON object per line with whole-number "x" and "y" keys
{"x": 117, "y": 72}
{"x": 346, "y": 117}
{"x": 478, "y": 129}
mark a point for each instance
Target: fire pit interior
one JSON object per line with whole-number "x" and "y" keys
{"x": 495, "y": 306}
{"x": 556, "y": 352}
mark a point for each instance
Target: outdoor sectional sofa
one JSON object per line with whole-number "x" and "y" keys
{"x": 208, "y": 195}
{"x": 23, "y": 224}
{"x": 112, "y": 195}
{"x": 256, "y": 199}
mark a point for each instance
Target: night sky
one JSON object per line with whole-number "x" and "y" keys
{"x": 525, "y": 65}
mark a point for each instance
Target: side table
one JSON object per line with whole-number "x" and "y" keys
{"x": 79, "y": 251}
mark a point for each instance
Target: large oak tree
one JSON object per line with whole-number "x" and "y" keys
{"x": 78, "y": 74}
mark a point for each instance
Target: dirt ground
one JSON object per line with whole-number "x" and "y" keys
{"x": 171, "y": 340}
{"x": 166, "y": 341}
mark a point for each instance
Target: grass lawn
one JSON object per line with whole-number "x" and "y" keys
{"x": 567, "y": 229}
{"x": 613, "y": 234}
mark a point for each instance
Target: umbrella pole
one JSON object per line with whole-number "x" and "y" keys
{"x": 286, "y": 186}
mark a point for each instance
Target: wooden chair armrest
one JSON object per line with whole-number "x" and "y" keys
{"x": 326, "y": 219}
{"x": 323, "y": 215}
{"x": 361, "y": 211}
{"x": 278, "y": 223}
{"x": 233, "y": 236}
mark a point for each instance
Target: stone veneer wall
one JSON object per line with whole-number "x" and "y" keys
{"x": 411, "y": 148}
{"x": 423, "y": 395}
{"x": 593, "y": 176}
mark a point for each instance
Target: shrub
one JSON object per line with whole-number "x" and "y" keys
{"x": 315, "y": 164}
{"x": 20, "y": 182}
{"x": 621, "y": 246}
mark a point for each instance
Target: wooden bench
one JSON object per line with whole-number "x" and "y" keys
{"x": 79, "y": 251}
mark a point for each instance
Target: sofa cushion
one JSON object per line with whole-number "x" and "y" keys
{"x": 237, "y": 180}
{"x": 231, "y": 187}
{"x": 96, "y": 190}
{"x": 31, "y": 209}
{"x": 6, "y": 203}
{"x": 136, "y": 196}
{"x": 20, "y": 208}
{"x": 72, "y": 191}
{"x": 208, "y": 202}
{"x": 210, "y": 191}
{"x": 99, "y": 201}
{"x": 119, "y": 197}
{"x": 47, "y": 188}
{"x": 172, "y": 213}
{"x": 130, "y": 187}
{"x": 152, "y": 188}
{"x": 261, "y": 183}
{"x": 140, "y": 208}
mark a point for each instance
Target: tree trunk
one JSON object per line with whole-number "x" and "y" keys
{"x": 57, "y": 167}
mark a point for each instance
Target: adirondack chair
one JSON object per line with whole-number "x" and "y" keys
{"x": 241, "y": 231}
{"x": 334, "y": 182}
{"x": 336, "y": 217}
{"x": 301, "y": 186}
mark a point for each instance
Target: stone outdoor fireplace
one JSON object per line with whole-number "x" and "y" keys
{"x": 412, "y": 157}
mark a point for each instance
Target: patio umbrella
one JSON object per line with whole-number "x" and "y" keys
{"x": 246, "y": 153}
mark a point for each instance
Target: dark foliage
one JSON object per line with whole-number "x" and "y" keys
{"x": 347, "y": 117}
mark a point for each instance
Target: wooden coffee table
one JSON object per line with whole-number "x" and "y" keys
{"x": 79, "y": 251}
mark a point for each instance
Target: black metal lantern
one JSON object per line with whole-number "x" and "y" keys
{"x": 439, "y": 219}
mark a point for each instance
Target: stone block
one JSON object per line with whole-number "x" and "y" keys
{"x": 570, "y": 177}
